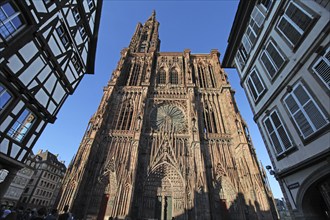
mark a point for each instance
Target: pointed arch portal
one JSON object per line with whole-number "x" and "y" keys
{"x": 163, "y": 193}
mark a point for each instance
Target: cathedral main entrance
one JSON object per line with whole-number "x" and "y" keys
{"x": 163, "y": 196}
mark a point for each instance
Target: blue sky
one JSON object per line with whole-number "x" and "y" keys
{"x": 196, "y": 25}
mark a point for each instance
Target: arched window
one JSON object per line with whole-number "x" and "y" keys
{"x": 11, "y": 20}
{"x": 174, "y": 77}
{"x": 161, "y": 79}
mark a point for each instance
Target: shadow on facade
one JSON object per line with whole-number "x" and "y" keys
{"x": 240, "y": 209}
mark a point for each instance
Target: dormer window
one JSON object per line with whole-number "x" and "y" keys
{"x": 10, "y": 20}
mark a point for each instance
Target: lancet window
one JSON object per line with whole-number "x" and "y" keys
{"x": 133, "y": 79}
{"x": 174, "y": 77}
{"x": 125, "y": 116}
{"x": 161, "y": 79}
{"x": 210, "y": 68}
{"x": 201, "y": 76}
{"x": 210, "y": 124}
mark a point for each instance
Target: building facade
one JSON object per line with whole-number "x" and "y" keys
{"x": 46, "y": 47}
{"x": 167, "y": 141}
{"x": 20, "y": 181}
{"x": 281, "y": 50}
{"x": 43, "y": 187}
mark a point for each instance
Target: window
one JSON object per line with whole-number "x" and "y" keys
{"x": 322, "y": 68}
{"x": 161, "y": 76}
{"x": 90, "y": 4}
{"x": 22, "y": 125}
{"x": 256, "y": 20}
{"x": 174, "y": 78}
{"x": 255, "y": 85}
{"x": 76, "y": 15}
{"x": 10, "y": 20}
{"x": 240, "y": 59}
{"x": 75, "y": 62}
{"x": 272, "y": 59}
{"x": 5, "y": 97}
{"x": 82, "y": 31}
{"x": 61, "y": 33}
{"x": 304, "y": 111}
{"x": 266, "y": 4}
{"x": 125, "y": 117}
{"x": 133, "y": 80}
{"x": 294, "y": 23}
{"x": 277, "y": 133}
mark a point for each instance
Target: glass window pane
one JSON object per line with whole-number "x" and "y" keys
{"x": 8, "y": 9}
{"x": 22, "y": 125}
{"x": 17, "y": 22}
{"x": 4, "y": 97}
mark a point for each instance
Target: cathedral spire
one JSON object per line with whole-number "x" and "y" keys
{"x": 145, "y": 38}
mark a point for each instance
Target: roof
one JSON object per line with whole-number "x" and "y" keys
{"x": 240, "y": 23}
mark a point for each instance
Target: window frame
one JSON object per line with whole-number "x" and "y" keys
{"x": 9, "y": 19}
{"x": 174, "y": 77}
{"x": 259, "y": 94}
{"x": 19, "y": 124}
{"x": 275, "y": 130}
{"x": 161, "y": 79}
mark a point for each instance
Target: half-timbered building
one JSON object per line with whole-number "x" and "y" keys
{"x": 46, "y": 47}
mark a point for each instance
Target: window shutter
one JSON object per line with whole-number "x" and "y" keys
{"x": 306, "y": 114}
{"x": 322, "y": 68}
{"x": 289, "y": 31}
{"x": 277, "y": 133}
{"x": 298, "y": 116}
{"x": 294, "y": 22}
{"x": 280, "y": 130}
{"x": 255, "y": 84}
{"x": 268, "y": 65}
{"x": 275, "y": 55}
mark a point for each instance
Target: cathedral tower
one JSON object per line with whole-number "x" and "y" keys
{"x": 166, "y": 141}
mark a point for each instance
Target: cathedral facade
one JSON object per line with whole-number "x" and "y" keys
{"x": 167, "y": 141}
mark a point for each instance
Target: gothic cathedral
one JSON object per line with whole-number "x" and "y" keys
{"x": 166, "y": 142}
